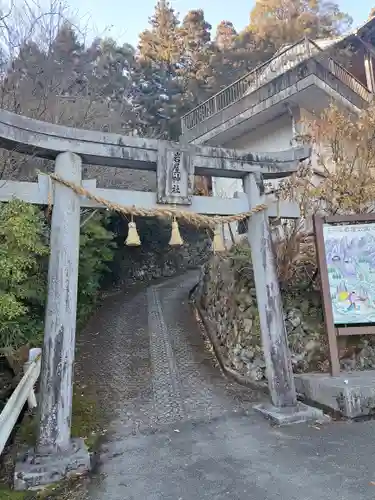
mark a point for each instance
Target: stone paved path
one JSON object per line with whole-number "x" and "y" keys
{"x": 178, "y": 430}
{"x": 150, "y": 363}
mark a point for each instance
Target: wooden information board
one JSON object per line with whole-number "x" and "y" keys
{"x": 346, "y": 259}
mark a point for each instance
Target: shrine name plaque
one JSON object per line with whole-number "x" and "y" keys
{"x": 175, "y": 175}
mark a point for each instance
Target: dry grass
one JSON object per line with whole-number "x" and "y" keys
{"x": 296, "y": 257}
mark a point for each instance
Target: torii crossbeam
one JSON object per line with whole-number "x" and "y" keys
{"x": 47, "y": 140}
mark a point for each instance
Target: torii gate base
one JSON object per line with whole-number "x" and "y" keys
{"x": 56, "y": 455}
{"x": 41, "y": 469}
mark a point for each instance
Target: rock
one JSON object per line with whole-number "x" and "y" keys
{"x": 237, "y": 350}
{"x": 308, "y": 325}
{"x": 305, "y": 306}
{"x": 259, "y": 362}
{"x": 297, "y": 332}
{"x": 247, "y": 325}
{"x": 256, "y": 374}
{"x": 294, "y": 317}
{"x": 312, "y": 345}
{"x": 247, "y": 356}
{"x": 155, "y": 258}
{"x": 365, "y": 358}
{"x": 245, "y": 299}
{"x": 348, "y": 364}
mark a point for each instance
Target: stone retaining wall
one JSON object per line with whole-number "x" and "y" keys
{"x": 227, "y": 296}
{"x": 155, "y": 258}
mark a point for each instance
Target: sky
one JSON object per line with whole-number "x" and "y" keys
{"x": 125, "y": 19}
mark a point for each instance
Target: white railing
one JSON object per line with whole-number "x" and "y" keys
{"x": 261, "y": 75}
{"x": 23, "y": 392}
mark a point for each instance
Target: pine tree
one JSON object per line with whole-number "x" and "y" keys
{"x": 108, "y": 68}
{"x": 156, "y": 101}
{"x": 225, "y": 59}
{"x": 161, "y": 44}
{"x": 105, "y": 64}
{"x": 157, "y": 85}
{"x": 195, "y": 35}
{"x": 64, "y": 69}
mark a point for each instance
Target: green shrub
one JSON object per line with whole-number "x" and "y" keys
{"x": 97, "y": 248}
{"x": 24, "y": 250}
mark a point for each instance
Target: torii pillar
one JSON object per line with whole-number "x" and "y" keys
{"x": 284, "y": 407}
{"x": 57, "y": 455}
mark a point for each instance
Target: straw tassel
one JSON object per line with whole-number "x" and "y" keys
{"x": 176, "y": 240}
{"x": 133, "y": 237}
{"x": 217, "y": 243}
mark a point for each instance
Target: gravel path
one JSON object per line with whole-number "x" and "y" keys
{"x": 147, "y": 359}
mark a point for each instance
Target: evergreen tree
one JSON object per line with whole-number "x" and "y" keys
{"x": 161, "y": 43}
{"x": 38, "y": 78}
{"x": 157, "y": 85}
{"x": 243, "y": 54}
{"x": 111, "y": 67}
{"x": 24, "y": 84}
{"x": 225, "y": 35}
{"x": 156, "y": 100}
{"x": 195, "y": 34}
{"x": 64, "y": 69}
{"x": 287, "y": 21}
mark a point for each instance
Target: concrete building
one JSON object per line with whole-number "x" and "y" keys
{"x": 262, "y": 111}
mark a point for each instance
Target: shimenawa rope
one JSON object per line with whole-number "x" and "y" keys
{"x": 195, "y": 219}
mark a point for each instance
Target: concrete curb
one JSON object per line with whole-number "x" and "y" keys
{"x": 228, "y": 372}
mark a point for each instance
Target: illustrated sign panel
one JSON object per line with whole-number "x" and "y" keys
{"x": 350, "y": 258}
{"x": 175, "y": 176}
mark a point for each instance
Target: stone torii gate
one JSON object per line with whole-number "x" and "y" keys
{"x": 56, "y": 454}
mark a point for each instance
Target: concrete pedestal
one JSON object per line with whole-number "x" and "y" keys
{"x": 291, "y": 414}
{"x": 38, "y": 470}
{"x": 351, "y": 394}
